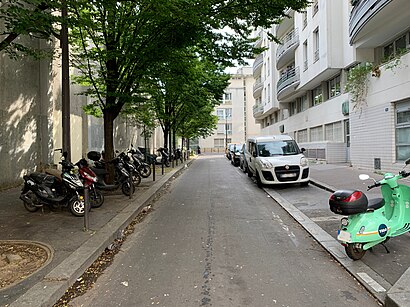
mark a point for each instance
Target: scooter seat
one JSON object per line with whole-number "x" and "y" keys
{"x": 41, "y": 178}
{"x": 375, "y": 203}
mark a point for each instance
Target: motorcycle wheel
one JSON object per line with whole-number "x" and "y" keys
{"x": 355, "y": 251}
{"x": 144, "y": 170}
{"x": 136, "y": 179}
{"x": 96, "y": 199}
{"x": 29, "y": 207}
{"x": 127, "y": 189}
{"x": 76, "y": 207}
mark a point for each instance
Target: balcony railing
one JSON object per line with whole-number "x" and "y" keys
{"x": 288, "y": 41}
{"x": 257, "y": 110}
{"x": 257, "y": 64}
{"x": 288, "y": 78}
{"x": 257, "y": 88}
{"x": 362, "y": 12}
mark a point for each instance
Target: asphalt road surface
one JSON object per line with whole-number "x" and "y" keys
{"x": 217, "y": 240}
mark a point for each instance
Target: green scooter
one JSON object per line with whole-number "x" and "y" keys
{"x": 373, "y": 221}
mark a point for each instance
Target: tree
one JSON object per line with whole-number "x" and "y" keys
{"x": 37, "y": 19}
{"x": 118, "y": 43}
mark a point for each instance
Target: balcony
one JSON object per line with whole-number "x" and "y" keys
{"x": 257, "y": 110}
{"x": 363, "y": 14}
{"x": 286, "y": 51}
{"x": 259, "y": 40}
{"x": 287, "y": 83}
{"x": 257, "y": 88}
{"x": 257, "y": 66}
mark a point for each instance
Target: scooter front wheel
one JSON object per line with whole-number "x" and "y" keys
{"x": 355, "y": 251}
{"x": 77, "y": 207}
{"x": 127, "y": 188}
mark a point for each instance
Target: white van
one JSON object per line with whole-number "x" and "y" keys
{"x": 276, "y": 159}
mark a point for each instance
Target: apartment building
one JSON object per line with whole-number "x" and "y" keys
{"x": 235, "y": 116}
{"x": 302, "y": 86}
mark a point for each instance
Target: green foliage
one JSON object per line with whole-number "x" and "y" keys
{"x": 357, "y": 83}
{"x": 31, "y": 19}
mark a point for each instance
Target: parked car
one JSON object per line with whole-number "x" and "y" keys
{"x": 235, "y": 154}
{"x": 276, "y": 159}
{"x": 229, "y": 149}
{"x": 242, "y": 159}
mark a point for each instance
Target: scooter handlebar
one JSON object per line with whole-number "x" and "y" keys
{"x": 404, "y": 174}
{"x": 377, "y": 184}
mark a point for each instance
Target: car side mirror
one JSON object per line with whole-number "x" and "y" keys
{"x": 254, "y": 154}
{"x": 303, "y": 149}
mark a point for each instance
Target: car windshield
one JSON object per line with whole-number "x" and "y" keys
{"x": 278, "y": 148}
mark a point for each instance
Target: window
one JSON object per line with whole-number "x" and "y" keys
{"x": 396, "y": 47}
{"x": 224, "y": 114}
{"x": 316, "y": 45}
{"x": 334, "y": 132}
{"x": 228, "y": 128}
{"x": 293, "y": 108}
{"x": 334, "y": 87}
{"x": 403, "y": 131}
{"x": 219, "y": 143}
{"x": 302, "y": 136}
{"x": 305, "y": 54}
{"x": 304, "y": 19}
{"x": 315, "y": 7}
{"x": 228, "y": 96}
{"x": 316, "y": 134}
{"x": 302, "y": 103}
{"x": 317, "y": 96}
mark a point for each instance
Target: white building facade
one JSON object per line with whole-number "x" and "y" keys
{"x": 300, "y": 86}
{"x": 235, "y": 117}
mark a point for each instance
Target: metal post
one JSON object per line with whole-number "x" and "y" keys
{"x": 131, "y": 185}
{"x": 65, "y": 85}
{"x": 86, "y": 209}
{"x": 153, "y": 170}
{"x": 162, "y": 163}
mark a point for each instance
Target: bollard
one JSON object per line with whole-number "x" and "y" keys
{"x": 131, "y": 185}
{"x": 153, "y": 171}
{"x": 86, "y": 209}
{"x": 162, "y": 163}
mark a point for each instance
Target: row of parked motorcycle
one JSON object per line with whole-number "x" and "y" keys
{"x": 65, "y": 188}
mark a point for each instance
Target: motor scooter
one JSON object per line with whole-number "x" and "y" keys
{"x": 374, "y": 221}
{"x": 164, "y": 156}
{"x": 89, "y": 179}
{"x": 142, "y": 167}
{"x": 55, "y": 189}
{"x": 121, "y": 175}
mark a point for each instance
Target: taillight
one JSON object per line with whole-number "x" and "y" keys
{"x": 355, "y": 196}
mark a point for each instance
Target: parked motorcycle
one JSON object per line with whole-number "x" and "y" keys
{"x": 130, "y": 167}
{"x": 374, "y": 221}
{"x": 89, "y": 179}
{"x": 55, "y": 189}
{"x": 121, "y": 174}
{"x": 142, "y": 167}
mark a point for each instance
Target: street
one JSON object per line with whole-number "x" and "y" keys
{"x": 217, "y": 240}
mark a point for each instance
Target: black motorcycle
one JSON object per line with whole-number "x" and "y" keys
{"x": 142, "y": 167}
{"x": 130, "y": 167}
{"x": 122, "y": 176}
{"x": 55, "y": 189}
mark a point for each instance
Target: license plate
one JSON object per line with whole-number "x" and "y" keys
{"x": 288, "y": 175}
{"x": 344, "y": 236}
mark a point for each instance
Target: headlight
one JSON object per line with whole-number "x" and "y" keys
{"x": 304, "y": 161}
{"x": 266, "y": 164}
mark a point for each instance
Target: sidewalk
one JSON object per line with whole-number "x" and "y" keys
{"x": 73, "y": 250}
{"x": 333, "y": 177}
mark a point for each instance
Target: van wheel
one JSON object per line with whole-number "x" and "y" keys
{"x": 258, "y": 180}
{"x": 304, "y": 184}
{"x": 355, "y": 251}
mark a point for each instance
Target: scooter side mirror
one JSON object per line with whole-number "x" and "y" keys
{"x": 364, "y": 177}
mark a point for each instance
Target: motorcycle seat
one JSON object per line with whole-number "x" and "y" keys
{"x": 374, "y": 204}
{"x": 54, "y": 172}
{"x": 41, "y": 178}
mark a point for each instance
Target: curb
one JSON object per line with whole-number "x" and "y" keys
{"x": 53, "y": 286}
{"x": 397, "y": 295}
{"x": 372, "y": 281}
